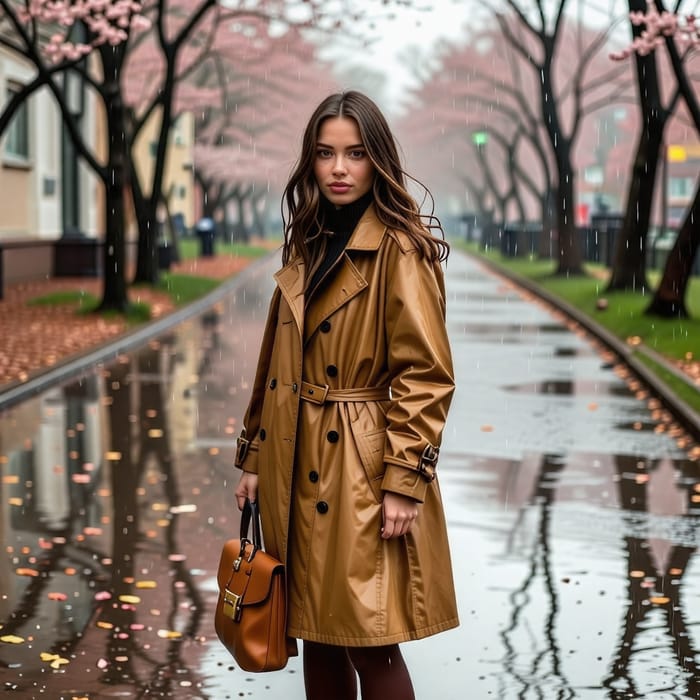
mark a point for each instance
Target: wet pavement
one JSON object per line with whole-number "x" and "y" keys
{"x": 571, "y": 498}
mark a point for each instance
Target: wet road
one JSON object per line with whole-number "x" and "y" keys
{"x": 572, "y": 504}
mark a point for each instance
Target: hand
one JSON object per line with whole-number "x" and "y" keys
{"x": 398, "y": 514}
{"x": 247, "y": 488}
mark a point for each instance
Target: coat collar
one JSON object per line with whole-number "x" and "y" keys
{"x": 368, "y": 233}
{"x": 347, "y": 282}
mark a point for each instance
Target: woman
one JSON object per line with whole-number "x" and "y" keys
{"x": 351, "y": 393}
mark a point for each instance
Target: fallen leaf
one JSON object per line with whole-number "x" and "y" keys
{"x": 184, "y": 508}
{"x": 132, "y": 599}
{"x": 169, "y": 634}
{"x": 12, "y": 639}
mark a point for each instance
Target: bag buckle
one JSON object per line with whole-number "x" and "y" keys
{"x": 242, "y": 448}
{"x": 232, "y": 605}
{"x": 428, "y": 462}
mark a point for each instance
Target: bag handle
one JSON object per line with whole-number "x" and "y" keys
{"x": 251, "y": 512}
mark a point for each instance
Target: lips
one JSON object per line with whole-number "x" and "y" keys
{"x": 339, "y": 187}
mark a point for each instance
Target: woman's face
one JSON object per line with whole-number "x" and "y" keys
{"x": 342, "y": 168}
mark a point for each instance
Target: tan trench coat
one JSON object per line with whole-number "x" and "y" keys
{"x": 324, "y": 457}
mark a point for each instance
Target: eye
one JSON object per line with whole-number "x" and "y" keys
{"x": 357, "y": 154}
{"x": 324, "y": 153}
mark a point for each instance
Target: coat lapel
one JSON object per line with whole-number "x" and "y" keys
{"x": 290, "y": 280}
{"x": 346, "y": 282}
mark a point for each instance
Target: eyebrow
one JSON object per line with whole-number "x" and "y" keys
{"x": 347, "y": 148}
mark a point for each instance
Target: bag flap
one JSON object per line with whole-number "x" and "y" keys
{"x": 253, "y": 580}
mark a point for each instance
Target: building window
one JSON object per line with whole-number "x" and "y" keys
{"x": 17, "y": 141}
{"x": 681, "y": 186}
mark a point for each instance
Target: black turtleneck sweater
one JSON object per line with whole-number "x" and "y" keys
{"x": 338, "y": 224}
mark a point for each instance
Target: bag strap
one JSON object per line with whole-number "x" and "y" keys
{"x": 251, "y": 512}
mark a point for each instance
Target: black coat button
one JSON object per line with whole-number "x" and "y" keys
{"x": 263, "y": 434}
{"x": 325, "y": 326}
{"x": 332, "y": 371}
{"x": 295, "y": 388}
{"x": 313, "y": 476}
{"x": 332, "y": 436}
{"x": 322, "y": 507}
{"x": 273, "y": 383}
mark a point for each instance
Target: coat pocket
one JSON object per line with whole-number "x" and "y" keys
{"x": 370, "y": 447}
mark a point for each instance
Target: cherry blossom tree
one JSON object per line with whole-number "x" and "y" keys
{"x": 679, "y": 34}
{"x": 628, "y": 269}
{"x": 538, "y": 38}
{"x": 55, "y": 37}
{"x": 485, "y": 89}
{"x": 244, "y": 155}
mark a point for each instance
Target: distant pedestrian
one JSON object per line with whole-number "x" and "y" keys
{"x": 342, "y": 433}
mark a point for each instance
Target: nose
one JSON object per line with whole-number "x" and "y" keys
{"x": 339, "y": 165}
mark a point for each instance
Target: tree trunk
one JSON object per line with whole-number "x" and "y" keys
{"x": 568, "y": 245}
{"x": 114, "y": 296}
{"x": 147, "y": 270}
{"x": 546, "y": 242}
{"x": 669, "y": 299}
{"x": 258, "y": 206}
{"x": 629, "y": 258}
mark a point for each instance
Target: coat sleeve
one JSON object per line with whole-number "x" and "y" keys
{"x": 420, "y": 367}
{"x": 248, "y": 444}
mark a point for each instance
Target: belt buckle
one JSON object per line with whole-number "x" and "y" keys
{"x": 315, "y": 393}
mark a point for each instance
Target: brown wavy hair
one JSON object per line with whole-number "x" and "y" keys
{"x": 394, "y": 206}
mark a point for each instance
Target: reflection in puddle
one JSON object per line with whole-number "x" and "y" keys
{"x": 556, "y": 386}
{"x": 518, "y": 332}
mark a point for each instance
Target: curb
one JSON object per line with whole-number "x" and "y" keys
{"x": 76, "y": 364}
{"x": 684, "y": 414}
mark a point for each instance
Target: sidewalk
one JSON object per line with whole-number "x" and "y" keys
{"x": 35, "y": 338}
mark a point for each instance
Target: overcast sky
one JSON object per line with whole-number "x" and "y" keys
{"x": 419, "y": 32}
{"x": 409, "y": 35}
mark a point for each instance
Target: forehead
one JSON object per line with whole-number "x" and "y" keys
{"x": 339, "y": 130}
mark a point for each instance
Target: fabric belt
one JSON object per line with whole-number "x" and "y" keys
{"x": 321, "y": 393}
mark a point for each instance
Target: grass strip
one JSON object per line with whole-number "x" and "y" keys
{"x": 137, "y": 312}
{"x": 184, "y": 289}
{"x": 83, "y": 300}
{"x": 680, "y": 388}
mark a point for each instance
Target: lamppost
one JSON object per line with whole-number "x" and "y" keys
{"x": 480, "y": 138}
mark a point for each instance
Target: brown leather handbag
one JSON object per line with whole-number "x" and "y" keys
{"x": 251, "y": 613}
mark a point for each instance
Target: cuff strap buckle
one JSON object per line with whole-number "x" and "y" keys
{"x": 428, "y": 462}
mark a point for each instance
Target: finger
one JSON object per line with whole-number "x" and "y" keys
{"x": 388, "y": 529}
